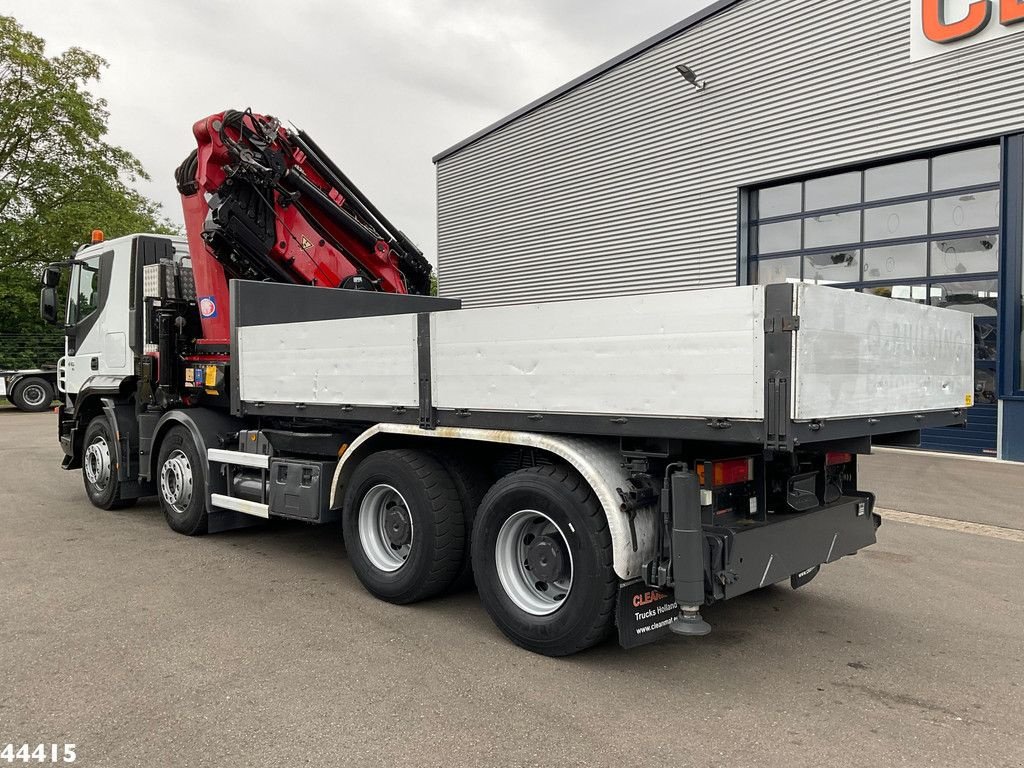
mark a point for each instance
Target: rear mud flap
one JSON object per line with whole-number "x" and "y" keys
{"x": 643, "y": 614}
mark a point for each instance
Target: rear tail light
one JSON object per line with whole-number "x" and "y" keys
{"x": 833, "y": 458}
{"x": 728, "y": 472}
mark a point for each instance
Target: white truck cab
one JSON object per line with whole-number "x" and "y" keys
{"x": 101, "y": 314}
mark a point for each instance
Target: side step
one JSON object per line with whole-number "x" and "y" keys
{"x": 253, "y": 508}
{"x": 239, "y": 459}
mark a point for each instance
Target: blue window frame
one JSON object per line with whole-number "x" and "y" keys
{"x": 926, "y": 228}
{"x": 1011, "y": 370}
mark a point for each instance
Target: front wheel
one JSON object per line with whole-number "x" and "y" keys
{"x": 181, "y": 486}
{"x": 542, "y": 558}
{"x": 99, "y": 471}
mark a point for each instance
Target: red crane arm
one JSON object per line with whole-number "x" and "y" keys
{"x": 263, "y": 202}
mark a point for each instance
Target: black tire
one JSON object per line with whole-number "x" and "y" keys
{"x": 471, "y": 484}
{"x": 181, "y": 484}
{"x": 586, "y": 614}
{"x": 429, "y": 562}
{"x": 32, "y": 394}
{"x": 99, "y": 467}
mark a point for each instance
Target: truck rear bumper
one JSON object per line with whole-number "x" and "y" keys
{"x": 741, "y": 560}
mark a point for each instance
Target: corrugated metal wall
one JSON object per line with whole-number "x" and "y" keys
{"x": 630, "y": 182}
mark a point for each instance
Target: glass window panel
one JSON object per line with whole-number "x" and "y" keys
{"x": 832, "y": 191}
{"x": 915, "y": 293}
{"x": 965, "y": 256}
{"x": 897, "y": 180}
{"x": 979, "y": 210}
{"x": 832, "y": 229}
{"x": 896, "y": 261}
{"x": 980, "y": 298}
{"x": 893, "y": 221}
{"x": 84, "y": 292}
{"x": 782, "y": 236}
{"x": 832, "y": 267}
{"x": 966, "y": 168}
{"x": 785, "y": 270}
{"x": 778, "y": 201}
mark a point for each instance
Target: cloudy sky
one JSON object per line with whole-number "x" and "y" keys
{"x": 382, "y": 85}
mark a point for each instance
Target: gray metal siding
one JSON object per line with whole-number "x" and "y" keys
{"x": 630, "y": 182}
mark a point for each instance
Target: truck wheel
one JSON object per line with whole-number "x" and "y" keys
{"x": 32, "y": 394}
{"x": 470, "y": 484}
{"x": 403, "y": 526}
{"x": 98, "y": 471}
{"x": 542, "y": 558}
{"x": 180, "y": 483}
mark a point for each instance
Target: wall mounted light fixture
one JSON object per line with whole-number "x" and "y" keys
{"x": 691, "y": 77}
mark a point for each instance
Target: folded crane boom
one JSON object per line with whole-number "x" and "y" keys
{"x": 263, "y": 202}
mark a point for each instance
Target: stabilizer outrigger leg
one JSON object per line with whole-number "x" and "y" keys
{"x": 690, "y": 623}
{"x": 688, "y": 554}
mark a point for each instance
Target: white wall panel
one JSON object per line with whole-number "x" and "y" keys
{"x": 629, "y": 183}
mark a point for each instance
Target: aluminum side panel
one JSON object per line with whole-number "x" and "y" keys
{"x": 693, "y": 354}
{"x": 863, "y": 355}
{"x": 366, "y": 361}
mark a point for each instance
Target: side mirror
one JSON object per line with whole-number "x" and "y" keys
{"x": 51, "y": 277}
{"x": 48, "y": 304}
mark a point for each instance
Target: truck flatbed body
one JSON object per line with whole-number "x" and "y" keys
{"x": 778, "y": 366}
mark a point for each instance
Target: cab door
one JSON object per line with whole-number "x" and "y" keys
{"x": 84, "y": 343}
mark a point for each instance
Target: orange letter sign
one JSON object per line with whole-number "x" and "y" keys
{"x": 938, "y": 30}
{"x": 1011, "y": 12}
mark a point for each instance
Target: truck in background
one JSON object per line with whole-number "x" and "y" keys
{"x": 29, "y": 390}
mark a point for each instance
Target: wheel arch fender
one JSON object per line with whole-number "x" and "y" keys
{"x": 598, "y": 461}
{"x": 208, "y": 429}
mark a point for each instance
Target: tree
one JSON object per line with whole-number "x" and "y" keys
{"x": 59, "y": 179}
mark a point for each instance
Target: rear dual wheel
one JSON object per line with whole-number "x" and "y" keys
{"x": 542, "y": 560}
{"x": 404, "y": 526}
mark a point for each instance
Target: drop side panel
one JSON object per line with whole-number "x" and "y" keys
{"x": 683, "y": 354}
{"x": 863, "y": 355}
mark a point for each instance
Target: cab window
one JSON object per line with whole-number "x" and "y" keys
{"x": 84, "y": 294}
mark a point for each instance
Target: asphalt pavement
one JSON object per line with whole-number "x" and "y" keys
{"x": 259, "y": 647}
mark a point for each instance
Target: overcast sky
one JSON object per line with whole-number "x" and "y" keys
{"x": 382, "y": 85}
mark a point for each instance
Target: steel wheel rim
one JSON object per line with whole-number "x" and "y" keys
{"x": 33, "y": 395}
{"x": 97, "y": 463}
{"x": 176, "y": 482}
{"x": 518, "y": 577}
{"x": 385, "y": 542}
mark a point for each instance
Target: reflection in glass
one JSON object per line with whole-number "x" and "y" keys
{"x": 832, "y": 229}
{"x": 896, "y": 261}
{"x": 778, "y": 201}
{"x": 832, "y": 191}
{"x": 832, "y": 267}
{"x": 894, "y": 221}
{"x": 966, "y": 168}
{"x": 965, "y": 255}
{"x": 915, "y": 293}
{"x": 981, "y": 299}
{"x": 897, "y": 180}
{"x": 782, "y": 236}
{"x": 978, "y": 210}
{"x": 785, "y": 270}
